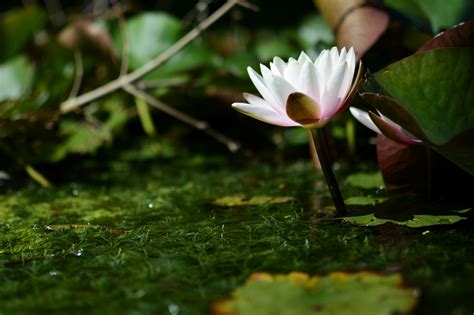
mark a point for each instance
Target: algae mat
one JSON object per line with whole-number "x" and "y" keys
{"x": 149, "y": 239}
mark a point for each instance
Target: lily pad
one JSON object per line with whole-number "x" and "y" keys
{"x": 436, "y": 93}
{"x": 461, "y": 35}
{"x": 443, "y": 14}
{"x": 418, "y": 220}
{"x": 336, "y": 293}
{"x": 365, "y": 180}
{"x": 240, "y": 201}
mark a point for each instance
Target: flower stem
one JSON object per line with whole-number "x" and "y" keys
{"x": 322, "y": 150}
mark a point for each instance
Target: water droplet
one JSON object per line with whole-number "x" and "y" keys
{"x": 173, "y": 309}
{"x": 75, "y": 192}
{"x": 54, "y": 273}
{"x": 79, "y": 252}
{"x": 151, "y": 206}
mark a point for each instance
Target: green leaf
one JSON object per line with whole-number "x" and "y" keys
{"x": 314, "y": 30}
{"x": 15, "y": 78}
{"x": 145, "y": 117}
{"x": 336, "y": 293}
{"x": 365, "y": 180}
{"x": 364, "y": 200}
{"x": 17, "y": 28}
{"x": 150, "y": 34}
{"x": 443, "y": 14}
{"x": 436, "y": 88}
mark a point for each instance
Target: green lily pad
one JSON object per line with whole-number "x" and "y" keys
{"x": 435, "y": 87}
{"x": 418, "y": 220}
{"x": 365, "y": 180}
{"x": 240, "y": 201}
{"x": 336, "y": 293}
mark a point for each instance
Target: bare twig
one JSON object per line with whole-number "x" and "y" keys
{"x": 79, "y": 73}
{"x": 123, "y": 34}
{"x": 198, "y": 124}
{"x": 124, "y": 80}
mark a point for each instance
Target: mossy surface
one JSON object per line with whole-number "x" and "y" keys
{"x": 146, "y": 239}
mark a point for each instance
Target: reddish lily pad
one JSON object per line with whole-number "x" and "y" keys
{"x": 461, "y": 35}
{"x": 355, "y": 23}
{"x": 336, "y": 293}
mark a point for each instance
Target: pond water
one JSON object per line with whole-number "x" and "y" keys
{"x": 147, "y": 239}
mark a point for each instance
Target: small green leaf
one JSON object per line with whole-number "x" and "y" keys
{"x": 365, "y": 180}
{"x": 15, "y": 78}
{"x": 145, "y": 117}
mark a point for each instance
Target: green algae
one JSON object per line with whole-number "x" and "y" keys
{"x": 146, "y": 239}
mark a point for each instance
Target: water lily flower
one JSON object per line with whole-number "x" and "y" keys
{"x": 383, "y": 125}
{"x": 302, "y": 92}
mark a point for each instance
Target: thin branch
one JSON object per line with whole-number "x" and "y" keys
{"x": 198, "y": 124}
{"x": 79, "y": 73}
{"x": 123, "y": 34}
{"x": 122, "y": 81}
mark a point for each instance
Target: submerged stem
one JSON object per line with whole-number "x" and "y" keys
{"x": 322, "y": 150}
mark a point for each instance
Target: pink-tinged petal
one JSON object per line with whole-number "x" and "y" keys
{"x": 309, "y": 81}
{"x": 364, "y": 118}
{"x": 281, "y": 89}
{"x": 264, "y": 114}
{"x": 259, "y": 83}
{"x": 403, "y": 136}
{"x": 331, "y": 100}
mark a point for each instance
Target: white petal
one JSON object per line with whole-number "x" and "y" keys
{"x": 292, "y": 73}
{"x": 323, "y": 64}
{"x": 264, "y": 114}
{"x": 281, "y": 89}
{"x": 278, "y": 66}
{"x": 346, "y": 82}
{"x": 330, "y": 99}
{"x": 334, "y": 54}
{"x": 303, "y": 58}
{"x": 342, "y": 56}
{"x": 309, "y": 81}
{"x": 266, "y": 74}
{"x": 364, "y": 118}
{"x": 259, "y": 83}
{"x": 351, "y": 59}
